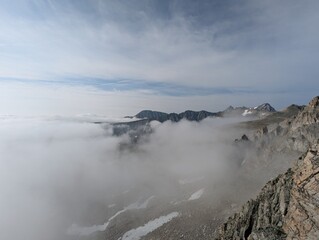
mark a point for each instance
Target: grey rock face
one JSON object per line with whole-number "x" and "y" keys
{"x": 295, "y": 133}
{"x": 309, "y": 115}
{"x": 302, "y": 218}
{"x": 303, "y": 130}
{"x": 286, "y": 208}
{"x": 265, "y": 212}
{"x": 314, "y": 103}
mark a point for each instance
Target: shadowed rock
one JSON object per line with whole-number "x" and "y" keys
{"x": 286, "y": 208}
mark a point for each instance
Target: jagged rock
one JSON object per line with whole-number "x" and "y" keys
{"x": 295, "y": 133}
{"x": 309, "y": 115}
{"x": 244, "y": 138}
{"x": 286, "y": 208}
{"x": 302, "y": 218}
{"x": 261, "y": 132}
{"x": 314, "y": 102}
{"x": 266, "y": 107}
{"x": 304, "y": 129}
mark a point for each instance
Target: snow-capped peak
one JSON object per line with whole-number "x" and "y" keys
{"x": 266, "y": 107}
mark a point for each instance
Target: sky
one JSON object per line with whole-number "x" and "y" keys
{"x": 84, "y": 59}
{"x": 116, "y": 58}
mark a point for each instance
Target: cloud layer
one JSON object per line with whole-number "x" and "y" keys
{"x": 57, "y": 173}
{"x": 234, "y": 44}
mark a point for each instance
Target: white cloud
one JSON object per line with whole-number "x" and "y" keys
{"x": 273, "y": 47}
{"x": 54, "y": 173}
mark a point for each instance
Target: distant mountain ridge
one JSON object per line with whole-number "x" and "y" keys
{"x": 174, "y": 117}
{"x": 189, "y": 115}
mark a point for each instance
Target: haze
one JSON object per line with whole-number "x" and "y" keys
{"x": 55, "y": 173}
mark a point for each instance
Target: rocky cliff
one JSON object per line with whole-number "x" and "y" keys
{"x": 286, "y": 208}
{"x": 309, "y": 116}
{"x": 298, "y": 132}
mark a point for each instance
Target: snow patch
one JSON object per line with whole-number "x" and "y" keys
{"x": 247, "y": 112}
{"x": 196, "y": 195}
{"x": 76, "y": 230}
{"x": 137, "y": 233}
{"x": 137, "y": 205}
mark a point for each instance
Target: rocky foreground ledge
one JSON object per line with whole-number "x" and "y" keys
{"x": 286, "y": 208}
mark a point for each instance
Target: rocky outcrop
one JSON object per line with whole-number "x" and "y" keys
{"x": 303, "y": 130}
{"x": 309, "y": 115}
{"x": 302, "y": 218}
{"x": 314, "y": 103}
{"x": 297, "y": 129}
{"x": 295, "y": 134}
{"x": 286, "y": 208}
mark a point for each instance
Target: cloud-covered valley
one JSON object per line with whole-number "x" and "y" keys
{"x": 55, "y": 173}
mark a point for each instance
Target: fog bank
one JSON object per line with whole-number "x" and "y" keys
{"x": 56, "y": 173}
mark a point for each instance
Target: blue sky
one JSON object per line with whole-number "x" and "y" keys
{"x": 170, "y": 55}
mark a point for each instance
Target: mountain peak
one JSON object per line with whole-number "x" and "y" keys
{"x": 266, "y": 107}
{"x": 230, "y": 108}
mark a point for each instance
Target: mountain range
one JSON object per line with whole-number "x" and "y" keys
{"x": 139, "y": 124}
{"x": 261, "y": 110}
